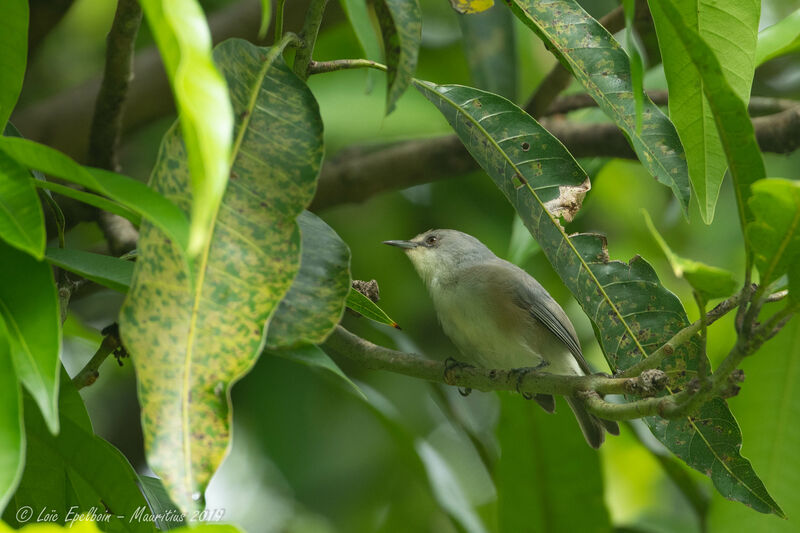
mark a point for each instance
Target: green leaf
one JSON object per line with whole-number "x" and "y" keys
{"x": 166, "y": 513}
{"x": 315, "y": 302}
{"x": 600, "y": 64}
{"x": 727, "y": 107}
{"x": 358, "y": 15}
{"x": 366, "y": 307}
{"x": 401, "y": 28}
{"x": 774, "y": 235}
{"x": 768, "y": 407}
{"x": 14, "y": 54}
{"x": 21, "y": 216}
{"x": 491, "y": 53}
{"x": 689, "y": 107}
{"x": 184, "y": 40}
{"x": 471, "y": 6}
{"x": 29, "y": 306}
{"x": 88, "y": 198}
{"x": 12, "y": 430}
{"x": 522, "y": 246}
{"x": 632, "y": 313}
{"x": 779, "y": 39}
{"x": 80, "y": 470}
{"x": 544, "y": 470}
{"x": 192, "y": 334}
{"x": 104, "y": 270}
{"x": 313, "y": 356}
{"x": 132, "y": 194}
{"x": 710, "y": 281}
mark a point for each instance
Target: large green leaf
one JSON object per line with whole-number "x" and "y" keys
{"x": 76, "y": 469}
{"x": 631, "y": 311}
{"x": 768, "y": 406}
{"x": 132, "y": 194}
{"x": 192, "y": 334}
{"x": 21, "y": 216}
{"x": 184, "y": 40}
{"x": 600, "y": 64}
{"x": 104, "y": 270}
{"x": 29, "y": 306}
{"x": 774, "y": 235}
{"x": 401, "y": 27}
{"x": 315, "y": 302}
{"x": 545, "y": 471}
{"x": 779, "y": 39}
{"x": 689, "y": 107}
{"x": 727, "y": 107}
{"x": 13, "y": 55}
{"x": 489, "y": 46}
{"x": 12, "y": 431}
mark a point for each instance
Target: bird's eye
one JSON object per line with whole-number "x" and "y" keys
{"x": 430, "y": 240}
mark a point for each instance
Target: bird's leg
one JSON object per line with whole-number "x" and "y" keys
{"x": 522, "y": 372}
{"x": 450, "y": 365}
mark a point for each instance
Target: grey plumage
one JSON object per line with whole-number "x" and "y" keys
{"x": 498, "y": 315}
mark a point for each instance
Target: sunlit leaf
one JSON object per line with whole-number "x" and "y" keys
{"x": 489, "y": 46}
{"x": 14, "y": 54}
{"x": 104, "y": 270}
{"x": 367, "y": 308}
{"x": 774, "y": 235}
{"x": 600, "y": 64}
{"x": 632, "y": 313}
{"x": 315, "y": 302}
{"x": 689, "y": 107}
{"x": 184, "y": 40}
{"x": 12, "y": 431}
{"x": 779, "y": 39}
{"x": 21, "y": 216}
{"x": 29, "y": 306}
{"x": 709, "y": 281}
{"x": 193, "y": 333}
{"x": 401, "y": 27}
{"x": 471, "y": 6}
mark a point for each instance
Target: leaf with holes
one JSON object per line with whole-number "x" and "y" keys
{"x": 600, "y": 64}
{"x": 632, "y": 313}
{"x": 192, "y": 332}
{"x": 401, "y": 28}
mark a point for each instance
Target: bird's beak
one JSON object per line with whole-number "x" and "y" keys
{"x": 402, "y": 244}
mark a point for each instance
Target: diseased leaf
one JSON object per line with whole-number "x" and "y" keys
{"x": 779, "y": 39}
{"x": 104, "y": 270}
{"x": 14, "y": 54}
{"x": 774, "y": 235}
{"x": 689, "y": 108}
{"x": 600, "y": 64}
{"x": 729, "y": 111}
{"x": 29, "y": 307}
{"x": 315, "y": 302}
{"x": 192, "y": 334}
{"x": 488, "y": 39}
{"x": 471, "y": 6}
{"x": 12, "y": 430}
{"x": 132, "y": 194}
{"x": 401, "y": 28}
{"x": 710, "y": 281}
{"x": 21, "y": 216}
{"x": 313, "y": 356}
{"x": 184, "y": 41}
{"x": 632, "y": 313}
{"x": 366, "y": 307}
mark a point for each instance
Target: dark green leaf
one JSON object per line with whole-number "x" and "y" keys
{"x": 21, "y": 217}
{"x": 711, "y": 282}
{"x": 632, "y": 313}
{"x": 598, "y": 62}
{"x": 779, "y": 39}
{"x": 102, "y": 269}
{"x": 489, "y": 46}
{"x": 167, "y": 514}
{"x": 96, "y": 200}
{"x": 315, "y": 302}
{"x": 313, "y": 356}
{"x": 366, "y": 307}
{"x": 132, "y": 194}
{"x": 358, "y": 15}
{"x": 730, "y": 112}
{"x": 689, "y": 107}
{"x": 401, "y": 27}
{"x": 192, "y": 333}
{"x": 204, "y": 109}
{"x": 774, "y": 235}
{"x": 29, "y": 306}
{"x": 14, "y": 54}
{"x": 12, "y": 431}
{"x": 547, "y": 478}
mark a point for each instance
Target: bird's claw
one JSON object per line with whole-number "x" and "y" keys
{"x": 522, "y": 372}
{"x": 464, "y": 391}
{"x": 450, "y": 365}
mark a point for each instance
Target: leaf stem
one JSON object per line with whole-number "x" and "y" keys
{"x": 89, "y": 373}
{"x": 321, "y": 67}
{"x": 278, "y": 31}
{"x": 309, "y": 36}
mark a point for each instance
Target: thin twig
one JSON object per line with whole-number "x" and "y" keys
{"x": 89, "y": 373}
{"x": 279, "y": 21}
{"x": 321, "y": 67}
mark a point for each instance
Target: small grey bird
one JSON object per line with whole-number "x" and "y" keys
{"x": 499, "y": 316}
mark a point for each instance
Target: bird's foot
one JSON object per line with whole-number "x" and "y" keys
{"x": 522, "y": 372}
{"x": 450, "y": 366}
{"x": 464, "y": 391}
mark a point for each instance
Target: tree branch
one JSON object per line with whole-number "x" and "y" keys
{"x": 309, "y": 37}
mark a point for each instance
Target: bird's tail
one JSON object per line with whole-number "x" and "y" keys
{"x": 593, "y": 428}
